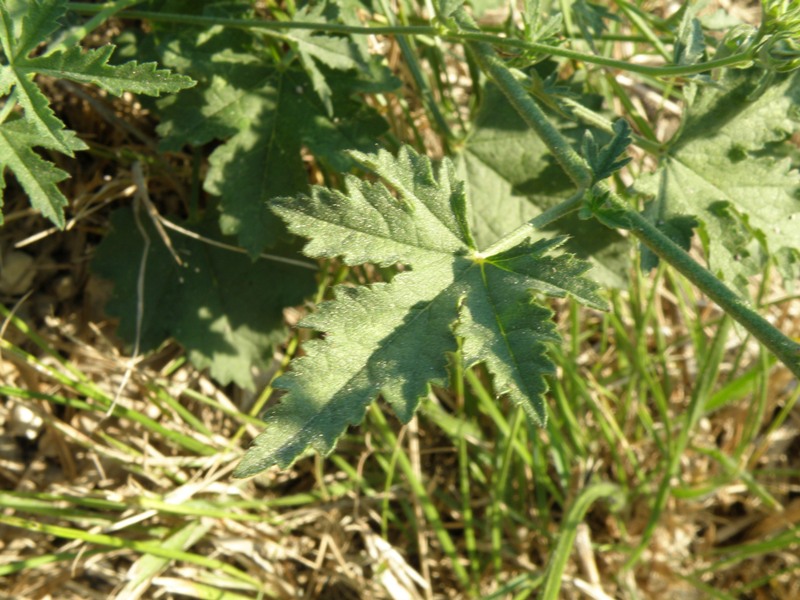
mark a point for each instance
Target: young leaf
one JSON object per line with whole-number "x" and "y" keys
{"x": 605, "y": 161}
{"x": 225, "y": 309}
{"x": 744, "y": 200}
{"x": 393, "y": 338}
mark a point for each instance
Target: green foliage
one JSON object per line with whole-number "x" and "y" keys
{"x": 23, "y": 26}
{"x": 433, "y": 273}
{"x": 224, "y": 308}
{"x": 394, "y": 338}
{"x": 510, "y": 178}
{"x": 300, "y": 92}
{"x": 605, "y": 161}
{"x": 717, "y": 171}
{"x": 590, "y": 19}
{"x": 266, "y": 104}
{"x": 266, "y": 111}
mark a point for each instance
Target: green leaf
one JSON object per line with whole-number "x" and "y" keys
{"x": 511, "y": 178}
{"x": 690, "y": 45}
{"x": 23, "y": 26}
{"x": 37, "y": 176}
{"x": 269, "y": 114}
{"x": 717, "y": 171}
{"x": 394, "y": 338}
{"x": 605, "y": 161}
{"x": 225, "y": 309}
{"x": 336, "y": 52}
{"x": 40, "y": 118}
{"x": 91, "y": 66}
{"x": 589, "y": 17}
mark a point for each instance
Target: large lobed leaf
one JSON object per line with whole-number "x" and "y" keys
{"x": 23, "y": 26}
{"x": 394, "y": 338}
{"x": 716, "y": 171}
{"x": 272, "y": 105}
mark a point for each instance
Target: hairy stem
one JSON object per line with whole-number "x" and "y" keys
{"x": 786, "y": 349}
{"x": 782, "y": 346}
{"x": 425, "y": 30}
{"x": 539, "y": 222}
{"x": 573, "y": 164}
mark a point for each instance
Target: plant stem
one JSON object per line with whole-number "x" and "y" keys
{"x": 787, "y": 350}
{"x": 590, "y": 117}
{"x": 416, "y": 70}
{"x": 573, "y": 164}
{"x": 561, "y": 553}
{"x": 782, "y": 346}
{"x": 425, "y": 30}
{"x": 622, "y": 65}
{"x": 539, "y": 222}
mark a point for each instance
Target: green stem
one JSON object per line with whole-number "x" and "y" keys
{"x": 426, "y": 30}
{"x": 590, "y": 117}
{"x": 786, "y": 349}
{"x": 575, "y": 166}
{"x": 703, "y": 386}
{"x": 782, "y": 346}
{"x": 250, "y": 24}
{"x": 539, "y": 222}
{"x": 622, "y": 65}
{"x": 639, "y": 21}
{"x": 426, "y": 502}
{"x": 414, "y": 67}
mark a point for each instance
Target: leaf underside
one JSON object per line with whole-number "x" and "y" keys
{"x": 393, "y": 339}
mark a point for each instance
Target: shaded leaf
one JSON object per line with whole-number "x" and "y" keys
{"x": 590, "y": 19}
{"x": 511, "y": 178}
{"x": 336, "y": 52}
{"x": 268, "y": 114}
{"x": 225, "y": 309}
